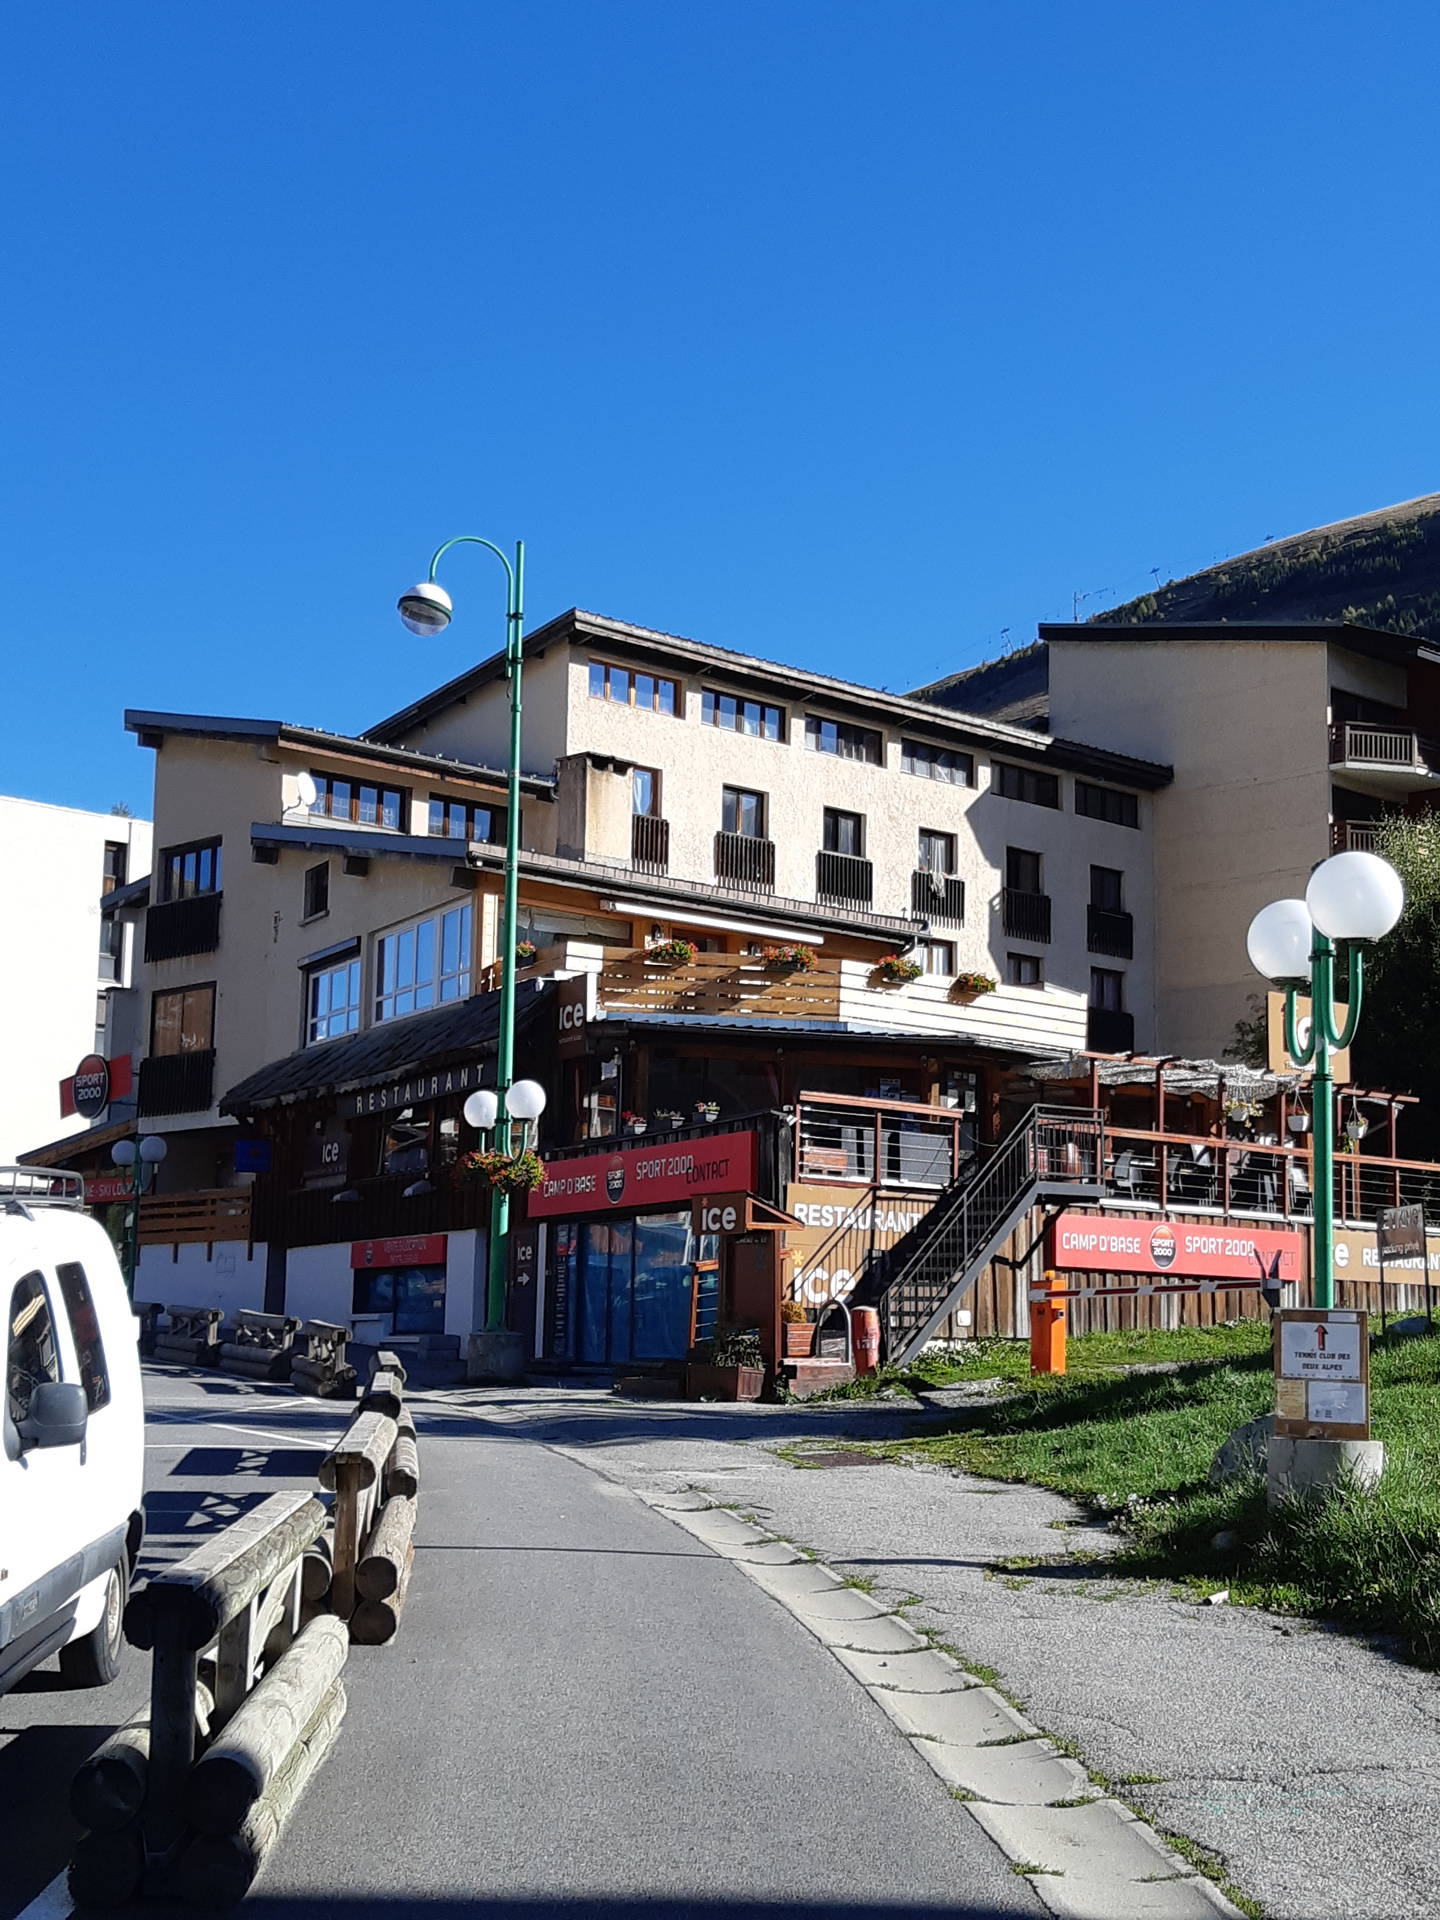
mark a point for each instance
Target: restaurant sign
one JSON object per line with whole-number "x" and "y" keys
{"x": 1357, "y": 1257}
{"x": 646, "y": 1176}
{"x": 1181, "y": 1249}
{"x": 847, "y": 1230}
{"x": 412, "y": 1091}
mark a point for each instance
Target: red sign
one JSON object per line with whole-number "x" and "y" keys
{"x": 647, "y": 1176}
{"x": 404, "y": 1250}
{"x": 94, "y": 1084}
{"x": 102, "y": 1189}
{"x": 1185, "y": 1249}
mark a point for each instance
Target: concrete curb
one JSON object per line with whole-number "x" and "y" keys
{"x": 1095, "y": 1861}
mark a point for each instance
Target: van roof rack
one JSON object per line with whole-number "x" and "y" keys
{"x": 41, "y": 1187}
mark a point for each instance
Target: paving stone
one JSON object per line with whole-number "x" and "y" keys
{"x": 1033, "y": 1774}
{"x": 964, "y": 1719}
{"x": 838, "y": 1603}
{"x": 1103, "y": 1863}
{"x": 925, "y": 1671}
{"x": 884, "y": 1634}
{"x": 676, "y": 1502}
{"x": 764, "y": 1553}
{"x": 720, "y": 1530}
{"x": 797, "y": 1580}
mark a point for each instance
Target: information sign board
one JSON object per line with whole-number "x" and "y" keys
{"x": 1322, "y": 1374}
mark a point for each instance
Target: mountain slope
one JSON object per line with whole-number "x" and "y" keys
{"x": 1379, "y": 570}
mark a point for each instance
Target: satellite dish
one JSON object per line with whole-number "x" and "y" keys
{"x": 307, "y": 789}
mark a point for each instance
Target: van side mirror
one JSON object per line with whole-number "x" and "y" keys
{"x": 57, "y": 1415}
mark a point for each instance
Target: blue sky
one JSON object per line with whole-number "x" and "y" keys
{"x": 850, "y": 334}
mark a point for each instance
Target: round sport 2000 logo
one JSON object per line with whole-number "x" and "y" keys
{"x": 1162, "y": 1247}
{"x": 615, "y": 1180}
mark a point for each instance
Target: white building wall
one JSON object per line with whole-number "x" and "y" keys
{"x": 52, "y": 878}
{"x": 229, "y": 1274}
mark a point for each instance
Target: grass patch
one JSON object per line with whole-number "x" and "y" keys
{"x": 1137, "y": 1446}
{"x": 1031, "y": 1870}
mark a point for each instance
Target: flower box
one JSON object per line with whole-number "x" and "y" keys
{"x": 671, "y": 953}
{"x": 706, "y": 1382}
{"x": 799, "y": 1339}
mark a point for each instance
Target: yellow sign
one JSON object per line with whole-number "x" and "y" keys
{"x": 1277, "y": 1059}
{"x": 1357, "y": 1257}
{"x": 840, "y": 1231}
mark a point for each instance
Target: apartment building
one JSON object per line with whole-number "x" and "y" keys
{"x": 59, "y": 980}
{"x": 1287, "y": 743}
{"x": 323, "y": 928}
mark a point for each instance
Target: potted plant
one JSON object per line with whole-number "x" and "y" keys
{"x": 669, "y": 1119}
{"x": 707, "y": 1110}
{"x": 525, "y": 952}
{"x": 672, "y": 953}
{"x": 502, "y": 1172}
{"x": 729, "y": 1367}
{"x": 896, "y": 972}
{"x": 790, "y": 958}
{"x": 799, "y": 1330}
{"x": 970, "y": 986}
{"x": 634, "y": 1122}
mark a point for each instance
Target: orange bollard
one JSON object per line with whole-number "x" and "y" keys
{"x": 1047, "y": 1328}
{"x": 865, "y": 1339}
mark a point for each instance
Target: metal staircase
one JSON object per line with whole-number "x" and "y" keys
{"x": 1054, "y": 1153}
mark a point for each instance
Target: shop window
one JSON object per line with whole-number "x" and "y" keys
{"x": 412, "y": 1297}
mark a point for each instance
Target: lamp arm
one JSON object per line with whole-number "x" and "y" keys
{"x": 474, "y": 540}
{"x": 1341, "y": 1039}
{"x": 1302, "y": 1056}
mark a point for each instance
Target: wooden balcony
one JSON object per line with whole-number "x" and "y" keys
{"x": 650, "y": 843}
{"x": 174, "y": 928}
{"x": 188, "y": 1219}
{"x": 745, "y": 862}
{"x": 719, "y": 984}
{"x": 1383, "y": 759}
{"x": 1354, "y": 836}
{"x": 177, "y": 1082}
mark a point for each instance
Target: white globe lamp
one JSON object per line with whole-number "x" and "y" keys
{"x": 525, "y": 1100}
{"x": 426, "y": 609}
{"x": 123, "y": 1153}
{"x": 481, "y": 1110}
{"x": 1355, "y": 896}
{"x": 153, "y": 1149}
{"x": 1279, "y": 940}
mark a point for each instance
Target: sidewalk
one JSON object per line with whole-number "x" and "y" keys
{"x": 587, "y": 1713}
{"x": 1306, "y": 1761}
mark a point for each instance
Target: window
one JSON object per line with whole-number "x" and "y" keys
{"x": 112, "y": 946}
{"x": 1025, "y": 969}
{"x": 189, "y": 870}
{"x": 630, "y": 689}
{"x": 645, "y": 792}
{"x": 1107, "y": 889}
{"x": 937, "y": 763}
{"x": 844, "y": 832}
{"x": 1107, "y": 803}
{"x": 183, "y": 1021}
{"x": 1027, "y": 783}
{"x": 834, "y": 736}
{"x": 30, "y": 1353}
{"x": 317, "y": 890}
{"x": 739, "y": 715}
{"x": 937, "y": 852}
{"x": 85, "y": 1331}
{"x": 1107, "y": 989}
{"x": 362, "y": 802}
{"x": 1022, "y": 870}
{"x": 332, "y": 1002}
{"x": 117, "y": 855}
{"x": 743, "y": 812}
{"x": 423, "y": 965}
{"x": 936, "y": 956}
{"x": 466, "y": 820}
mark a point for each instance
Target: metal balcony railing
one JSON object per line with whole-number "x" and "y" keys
{"x": 177, "y": 1082}
{"x": 1111, "y": 932}
{"x": 1107, "y": 1030}
{"x": 650, "y": 843}
{"x": 939, "y": 897}
{"x": 174, "y": 928}
{"x": 742, "y": 861}
{"x": 1025, "y": 916}
{"x": 877, "y": 1142}
{"x": 844, "y": 878}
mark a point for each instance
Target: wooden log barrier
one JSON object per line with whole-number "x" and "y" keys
{"x": 218, "y": 1870}
{"x": 388, "y": 1361}
{"x": 352, "y": 1470}
{"x": 243, "y": 1761}
{"x": 315, "y": 1570}
{"x": 108, "y": 1790}
{"x": 106, "y": 1868}
{"x": 385, "y": 1394}
{"x": 376, "y": 1621}
{"x": 382, "y": 1564}
{"x": 402, "y": 1470}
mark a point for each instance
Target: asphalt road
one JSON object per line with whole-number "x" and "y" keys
{"x": 586, "y": 1712}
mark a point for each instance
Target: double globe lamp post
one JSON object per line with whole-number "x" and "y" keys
{"x": 137, "y": 1158}
{"x": 426, "y": 611}
{"x": 1352, "y": 898}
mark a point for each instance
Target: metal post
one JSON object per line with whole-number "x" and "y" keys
{"x": 132, "y": 1225}
{"x": 1324, "y": 1035}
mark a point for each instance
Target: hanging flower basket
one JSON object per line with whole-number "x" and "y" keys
{"x": 502, "y": 1172}
{"x": 672, "y": 953}
{"x": 970, "y": 986}
{"x": 635, "y": 1122}
{"x": 525, "y": 952}
{"x": 790, "y": 959}
{"x": 895, "y": 972}
{"x": 707, "y": 1110}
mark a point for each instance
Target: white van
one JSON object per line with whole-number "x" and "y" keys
{"x": 73, "y": 1455}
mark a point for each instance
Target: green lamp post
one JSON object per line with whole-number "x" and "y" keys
{"x": 136, "y": 1159}
{"x": 425, "y": 610}
{"x": 1352, "y": 898}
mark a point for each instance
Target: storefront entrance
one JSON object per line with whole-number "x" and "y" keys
{"x": 620, "y": 1289}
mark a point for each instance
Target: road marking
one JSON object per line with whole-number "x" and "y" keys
{"x": 53, "y": 1904}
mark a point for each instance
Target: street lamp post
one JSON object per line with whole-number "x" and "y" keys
{"x": 1352, "y": 898}
{"x": 139, "y": 1158}
{"x": 425, "y": 610}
